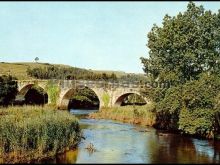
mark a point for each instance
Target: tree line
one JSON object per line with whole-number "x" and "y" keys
{"x": 185, "y": 50}
{"x": 55, "y": 72}
{"x": 72, "y": 73}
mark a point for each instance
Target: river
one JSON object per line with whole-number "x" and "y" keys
{"x": 117, "y": 142}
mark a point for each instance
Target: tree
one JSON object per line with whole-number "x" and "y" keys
{"x": 104, "y": 76}
{"x": 36, "y": 59}
{"x": 8, "y": 90}
{"x": 113, "y": 77}
{"x": 199, "y": 113}
{"x": 185, "y": 46}
{"x": 186, "y": 51}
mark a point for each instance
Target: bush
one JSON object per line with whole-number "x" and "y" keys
{"x": 197, "y": 122}
{"x": 8, "y": 90}
{"x": 191, "y": 108}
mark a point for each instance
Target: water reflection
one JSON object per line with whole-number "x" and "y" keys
{"x": 124, "y": 143}
{"x": 81, "y": 112}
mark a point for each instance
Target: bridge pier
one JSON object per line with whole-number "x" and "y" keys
{"x": 64, "y": 104}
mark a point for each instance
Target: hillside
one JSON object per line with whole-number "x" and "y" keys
{"x": 19, "y": 69}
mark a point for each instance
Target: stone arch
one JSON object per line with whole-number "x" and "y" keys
{"x": 23, "y": 90}
{"x": 68, "y": 93}
{"x": 121, "y": 97}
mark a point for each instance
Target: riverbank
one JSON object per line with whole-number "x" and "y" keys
{"x": 142, "y": 115}
{"x": 30, "y": 133}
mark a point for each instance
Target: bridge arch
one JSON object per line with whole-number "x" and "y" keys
{"x": 24, "y": 90}
{"x": 66, "y": 95}
{"x": 120, "y": 98}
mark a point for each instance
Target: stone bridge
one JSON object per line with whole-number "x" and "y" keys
{"x": 109, "y": 93}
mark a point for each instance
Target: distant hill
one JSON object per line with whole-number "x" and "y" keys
{"x": 18, "y": 69}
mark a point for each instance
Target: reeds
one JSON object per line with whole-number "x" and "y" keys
{"x": 142, "y": 115}
{"x": 33, "y": 132}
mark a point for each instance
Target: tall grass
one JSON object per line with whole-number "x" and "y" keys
{"x": 33, "y": 132}
{"x": 142, "y": 115}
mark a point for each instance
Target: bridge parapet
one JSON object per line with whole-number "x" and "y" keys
{"x": 65, "y": 84}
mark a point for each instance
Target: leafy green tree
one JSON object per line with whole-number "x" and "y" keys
{"x": 8, "y": 90}
{"x": 36, "y": 59}
{"x": 133, "y": 78}
{"x": 168, "y": 109}
{"x": 200, "y": 113}
{"x": 185, "y": 50}
{"x": 198, "y": 122}
{"x": 185, "y": 46}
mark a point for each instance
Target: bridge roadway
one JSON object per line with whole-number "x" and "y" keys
{"x": 109, "y": 93}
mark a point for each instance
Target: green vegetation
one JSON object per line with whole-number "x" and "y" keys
{"x": 133, "y": 78}
{"x": 105, "y": 99}
{"x": 71, "y": 73}
{"x": 133, "y": 99}
{"x": 58, "y": 71}
{"x": 8, "y": 90}
{"x": 143, "y": 115}
{"x": 185, "y": 52}
{"x": 19, "y": 70}
{"x": 53, "y": 92}
{"x": 84, "y": 98}
{"x": 30, "y": 132}
{"x": 36, "y": 59}
{"x": 185, "y": 46}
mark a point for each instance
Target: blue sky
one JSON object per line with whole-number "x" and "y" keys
{"x": 91, "y": 35}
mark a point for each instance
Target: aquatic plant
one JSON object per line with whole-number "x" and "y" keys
{"x": 33, "y": 132}
{"x": 143, "y": 115}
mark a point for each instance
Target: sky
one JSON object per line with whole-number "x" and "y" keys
{"x": 91, "y": 35}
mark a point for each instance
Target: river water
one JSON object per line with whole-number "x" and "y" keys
{"x": 117, "y": 142}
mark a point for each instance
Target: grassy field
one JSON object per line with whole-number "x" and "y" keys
{"x": 19, "y": 69}
{"x": 32, "y": 132}
{"x": 142, "y": 115}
